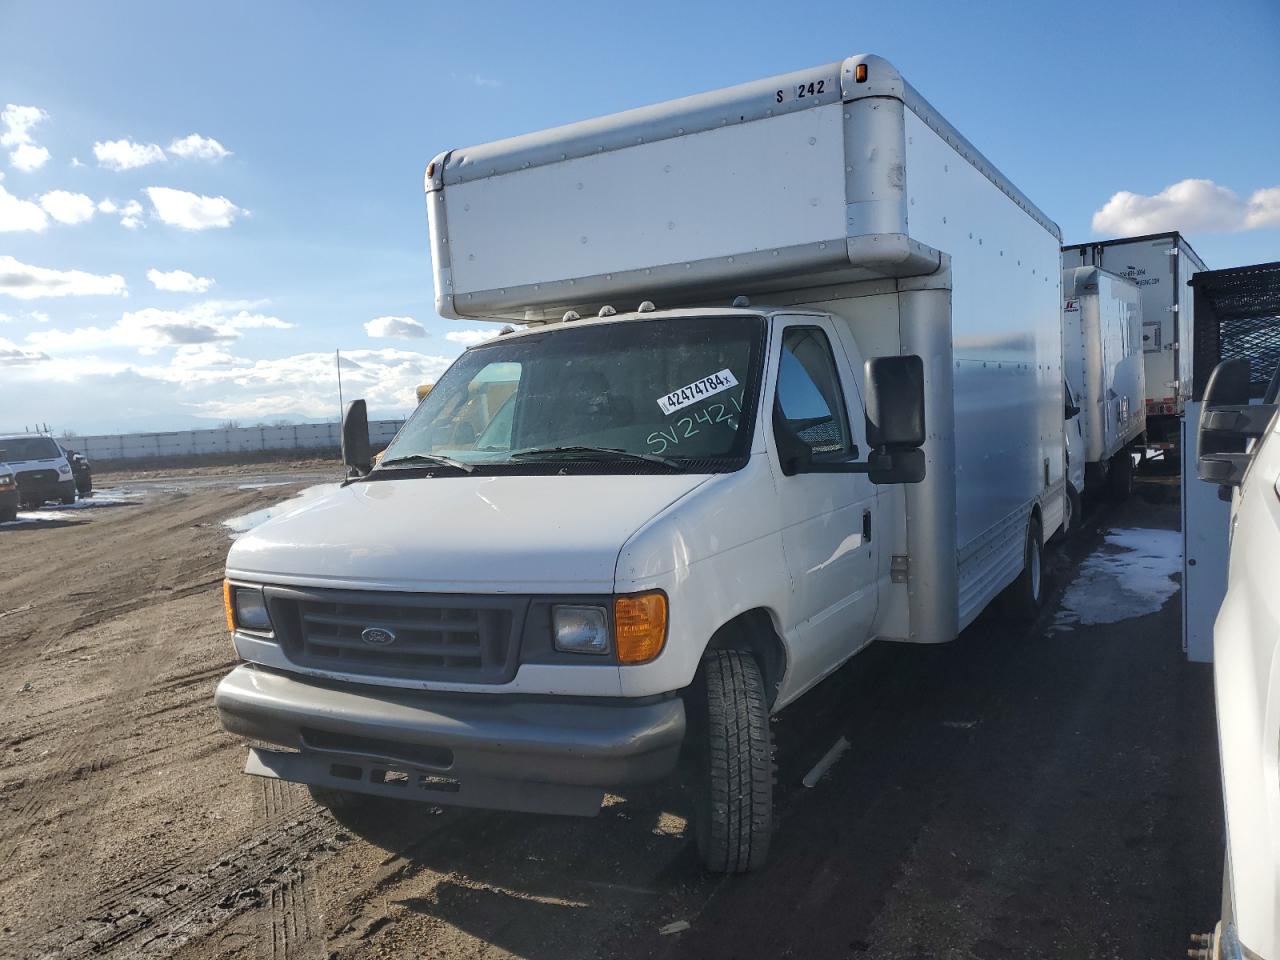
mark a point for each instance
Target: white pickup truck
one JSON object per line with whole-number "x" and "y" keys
{"x": 619, "y": 536}
{"x": 1238, "y": 447}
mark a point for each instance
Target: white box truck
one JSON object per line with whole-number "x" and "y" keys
{"x": 785, "y": 378}
{"x": 1103, "y": 359}
{"x": 1161, "y": 265}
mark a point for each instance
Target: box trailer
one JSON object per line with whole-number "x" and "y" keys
{"x": 1161, "y": 265}
{"x": 1103, "y": 359}
{"x": 781, "y": 376}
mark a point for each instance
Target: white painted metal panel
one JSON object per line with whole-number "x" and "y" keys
{"x": 1206, "y": 544}
{"x": 1007, "y": 328}
{"x": 758, "y": 186}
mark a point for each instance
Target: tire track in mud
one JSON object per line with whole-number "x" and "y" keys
{"x": 154, "y": 915}
{"x": 131, "y": 675}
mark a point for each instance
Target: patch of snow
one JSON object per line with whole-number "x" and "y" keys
{"x": 1130, "y": 576}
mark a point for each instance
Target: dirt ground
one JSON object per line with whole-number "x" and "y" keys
{"x": 1050, "y": 793}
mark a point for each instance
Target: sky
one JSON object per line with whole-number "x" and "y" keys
{"x": 200, "y": 203}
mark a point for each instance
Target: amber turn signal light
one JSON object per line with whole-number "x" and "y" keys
{"x": 640, "y": 626}
{"x": 226, "y": 604}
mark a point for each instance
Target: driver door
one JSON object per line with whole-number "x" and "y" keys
{"x": 829, "y": 519}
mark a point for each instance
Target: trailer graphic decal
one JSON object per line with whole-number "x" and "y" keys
{"x": 696, "y": 391}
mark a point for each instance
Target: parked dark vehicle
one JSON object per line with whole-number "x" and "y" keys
{"x": 82, "y": 470}
{"x": 8, "y": 497}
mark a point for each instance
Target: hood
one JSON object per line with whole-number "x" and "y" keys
{"x": 504, "y": 534}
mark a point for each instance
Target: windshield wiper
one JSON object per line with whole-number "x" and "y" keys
{"x": 608, "y": 453}
{"x": 429, "y": 458}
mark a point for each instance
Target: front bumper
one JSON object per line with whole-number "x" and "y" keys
{"x": 544, "y": 755}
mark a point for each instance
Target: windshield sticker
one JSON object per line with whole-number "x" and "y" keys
{"x": 697, "y": 391}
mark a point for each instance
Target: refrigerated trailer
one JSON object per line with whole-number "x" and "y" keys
{"x": 1103, "y": 360}
{"x": 1161, "y": 265}
{"x": 781, "y": 375}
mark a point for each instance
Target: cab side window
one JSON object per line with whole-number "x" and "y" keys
{"x": 809, "y": 404}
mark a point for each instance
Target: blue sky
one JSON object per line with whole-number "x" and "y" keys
{"x": 312, "y": 224}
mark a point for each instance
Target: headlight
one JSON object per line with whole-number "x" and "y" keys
{"x": 246, "y": 608}
{"x": 6, "y": 481}
{"x": 580, "y": 629}
{"x": 63, "y": 468}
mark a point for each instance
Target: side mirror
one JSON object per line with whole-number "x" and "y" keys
{"x": 1070, "y": 411}
{"x": 896, "y": 466}
{"x": 356, "y": 451}
{"x": 895, "y": 402}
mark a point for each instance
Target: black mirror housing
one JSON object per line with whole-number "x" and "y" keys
{"x": 896, "y": 466}
{"x": 895, "y": 402}
{"x": 357, "y": 453}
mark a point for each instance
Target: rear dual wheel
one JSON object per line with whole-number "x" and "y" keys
{"x": 1023, "y": 598}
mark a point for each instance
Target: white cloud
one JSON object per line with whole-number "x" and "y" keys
{"x": 17, "y": 215}
{"x": 124, "y": 154}
{"x": 66, "y": 207}
{"x": 26, "y": 282}
{"x": 18, "y": 121}
{"x": 12, "y": 355}
{"x": 191, "y": 211}
{"x": 196, "y": 147}
{"x": 150, "y": 329}
{"x": 75, "y": 162}
{"x": 131, "y": 215}
{"x": 178, "y": 281}
{"x": 1188, "y": 205}
{"x": 469, "y": 338}
{"x": 27, "y": 157}
{"x": 402, "y": 327}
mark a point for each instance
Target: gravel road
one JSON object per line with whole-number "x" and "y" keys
{"x": 1050, "y": 793}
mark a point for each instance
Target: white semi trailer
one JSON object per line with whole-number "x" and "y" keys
{"x": 1161, "y": 265}
{"x": 785, "y": 377}
{"x": 1103, "y": 359}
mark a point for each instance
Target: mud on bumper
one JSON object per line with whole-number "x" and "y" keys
{"x": 543, "y": 755}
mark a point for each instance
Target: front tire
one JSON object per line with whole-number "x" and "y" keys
{"x": 1024, "y": 596}
{"x": 733, "y": 763}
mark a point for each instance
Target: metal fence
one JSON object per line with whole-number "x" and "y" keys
{"x": 183, "y": 443}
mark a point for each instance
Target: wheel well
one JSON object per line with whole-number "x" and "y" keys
{"x": 1037, "y": 517}
{"x": 753, "y": 632}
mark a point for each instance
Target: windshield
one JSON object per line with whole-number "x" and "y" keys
{"x": 17, "y": 449}
{"x": 670, "y": 388}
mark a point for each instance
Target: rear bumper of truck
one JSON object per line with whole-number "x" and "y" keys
{"x": 541, "y": 755}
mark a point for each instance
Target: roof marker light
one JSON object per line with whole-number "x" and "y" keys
{"x": 741, "y": 302}
{"x": 606, "y": 311}
{"x": 570, "y": 316}
{"x": 646, "y": 307}
{"x": 860, "y": 73}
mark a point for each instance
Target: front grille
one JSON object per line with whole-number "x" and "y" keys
{"x": 36, "y": 478}
{"x": 446, "y": 638}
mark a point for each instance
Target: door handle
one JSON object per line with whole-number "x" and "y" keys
{"x": 866, "y": 526}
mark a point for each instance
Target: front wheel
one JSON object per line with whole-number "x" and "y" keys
{"x": 68, "y": 500}
{"x": 733, "y": 763}
{"x": 1023, "y": 597}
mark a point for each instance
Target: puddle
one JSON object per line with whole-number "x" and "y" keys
{"x": 247, "y": 521}
{"x": 1130, "y": 576}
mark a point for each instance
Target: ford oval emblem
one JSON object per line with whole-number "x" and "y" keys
{"x": 377, "y": 636}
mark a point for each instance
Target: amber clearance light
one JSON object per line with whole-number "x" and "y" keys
{"x": 226, "y": 604}
{"x": 640, "y": 625}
